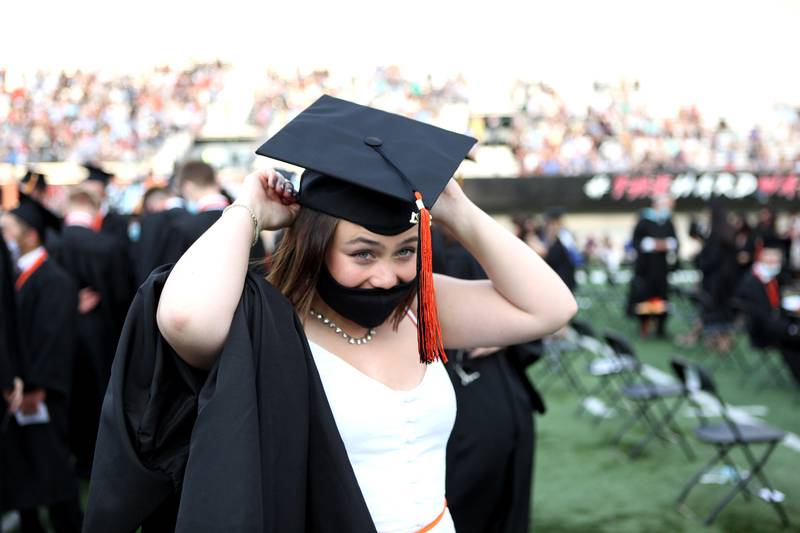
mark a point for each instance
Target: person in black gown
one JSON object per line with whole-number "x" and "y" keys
{"x": 759, "y": 295}
{"x": 718, "y": 261}
{"x": 197, "y": 183}
{"x": 560, "y": 246}
{"x": 11, "y": 384}
{"x": 108, "y": 220}
{"x": 37, "y": 465}
{"x": 491, "y": 449}
{"x": 97, "y": 264}
{"x": 216, "y": 417}
{"x": 656, "y": 248}
{"x": 163, "y": 208}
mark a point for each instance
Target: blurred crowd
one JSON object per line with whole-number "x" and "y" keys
{"x": 428, "y": 99}
{"x": 88, "y": 116}
{"x": 84, "y": 116}
{"x": 617, "y": 133}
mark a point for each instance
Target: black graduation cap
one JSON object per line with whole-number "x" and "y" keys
{"x": 33, "y": 181}
{"x": 364, "y": 165}
{"x": 35, "y": 215}
{"x": 772, "y": 241}
{"x": 377, "y": 169}
{"x": 97, "y": 174}
{"x": 554, "y": 213}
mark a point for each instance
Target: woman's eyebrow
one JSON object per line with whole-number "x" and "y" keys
{"x": 364, "y": 240}
{"x": 410, "y": 240}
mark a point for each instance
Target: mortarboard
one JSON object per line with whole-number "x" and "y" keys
{"x": 35, "y": 215}
{"x": 97, "y": 174}
{"x": 554, "y": 213}
{"x": 33, "y": 181}
{"x": 377, "y": 169}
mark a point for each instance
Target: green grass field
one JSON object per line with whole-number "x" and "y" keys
{"x": 584, "y": 484}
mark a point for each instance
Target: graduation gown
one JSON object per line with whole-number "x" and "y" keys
{"x": 10, "y": 363}
{"x": 185, "y": 230}
{"x": 98, "y": 261}
{"x": 36, "y": 459}
{"x": 116, "y": 225}
{"x": 249, "y": 446}
{"x": 650, "y": 268}
{"x": 768, "y": 326}
{"x": 717, "y": 261}
{"x": 151, "y": 249}
{"x": 559, "y": 260}
{"x": 490, "y": 452}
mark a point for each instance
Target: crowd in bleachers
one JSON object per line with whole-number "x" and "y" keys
{"x": 91, "y": 116}
{"x": 617, "y": 133}
{"x": 53, "y": 116}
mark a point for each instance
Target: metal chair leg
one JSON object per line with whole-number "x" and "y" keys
{"x": 721, "y": 453}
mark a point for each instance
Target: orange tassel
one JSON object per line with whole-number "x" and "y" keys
{"x": 429, "y": 332}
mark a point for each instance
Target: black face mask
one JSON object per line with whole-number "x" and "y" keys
{"x": 366, "y": 307}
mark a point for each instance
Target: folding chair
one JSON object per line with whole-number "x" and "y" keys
{"x": 608, "y": 367}
{"x": 684, "y": 306}
{"x": 772, "y": 366}
{"x": 649, "y": 401}
{"x": 726, "y": 436}
{"x": 560, "y": 356}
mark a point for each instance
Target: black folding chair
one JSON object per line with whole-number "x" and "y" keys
{"x": 726, "y": 436}
{"x": 755, "y": 360}
{"x": 610, "y": 370}
{"x": 650, "y": 403}
{"x": 560, "y": 357}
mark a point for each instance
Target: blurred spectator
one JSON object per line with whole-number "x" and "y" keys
{"x": 83, "y": 116}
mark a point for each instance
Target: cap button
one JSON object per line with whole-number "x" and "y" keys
{"x": 373, "y": 141}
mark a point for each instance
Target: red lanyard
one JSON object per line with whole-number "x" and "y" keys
{"x": 772, "y": 293}
{"x": 28, "y": 272}
{"x": 97, "y": 224}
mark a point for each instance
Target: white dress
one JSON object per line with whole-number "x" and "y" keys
{"x": 396, "y": 441}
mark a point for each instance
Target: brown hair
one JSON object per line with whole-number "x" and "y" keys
{"x": 197, "y": 172}
{"x": 80, "y": 197}
{"x": 300, "y": 256}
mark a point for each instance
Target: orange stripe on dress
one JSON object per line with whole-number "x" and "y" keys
{"x": 435, "y": 522}
{"x": 28, "y": 272}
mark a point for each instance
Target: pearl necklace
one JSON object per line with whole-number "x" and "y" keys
{"x": 339, "y": 331}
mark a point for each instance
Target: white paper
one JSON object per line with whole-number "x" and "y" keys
{"x": 791, "y": 303}
{"x": 41, "y": 416}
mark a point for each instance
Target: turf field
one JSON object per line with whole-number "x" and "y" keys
{"x": 584, "y": 484}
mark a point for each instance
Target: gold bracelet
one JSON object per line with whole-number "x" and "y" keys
{"x": 256, "y": 229}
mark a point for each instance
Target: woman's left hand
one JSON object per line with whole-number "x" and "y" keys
{"x": 450, "y": 204}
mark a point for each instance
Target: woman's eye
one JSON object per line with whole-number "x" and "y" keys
{"x": 362, "y": 254}
{"x": 406, "y": 252}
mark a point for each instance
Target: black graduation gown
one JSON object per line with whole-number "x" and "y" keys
{"x": 717, "y": 261}
{"x": 184, "y": 231}
{"x": 650, "y": 268}
{"x": 10, "y": 364}
{"x": 250, "y": 446}
{"x": 767, "y": 326}
{"x": 490, "y": 452}
{"x": 116, "y": 225}
{"x": 150, "y": 251}
{"x": 559, "y": 260}
{"x": 98, "y": 261}
{"x": 10, "y": 360}
{"x": 36, "y": 458}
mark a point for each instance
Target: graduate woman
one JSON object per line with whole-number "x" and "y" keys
{"x": 317, "y": 401}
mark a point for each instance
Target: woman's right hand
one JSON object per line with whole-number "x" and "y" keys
{"x": 271, "y": 197}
